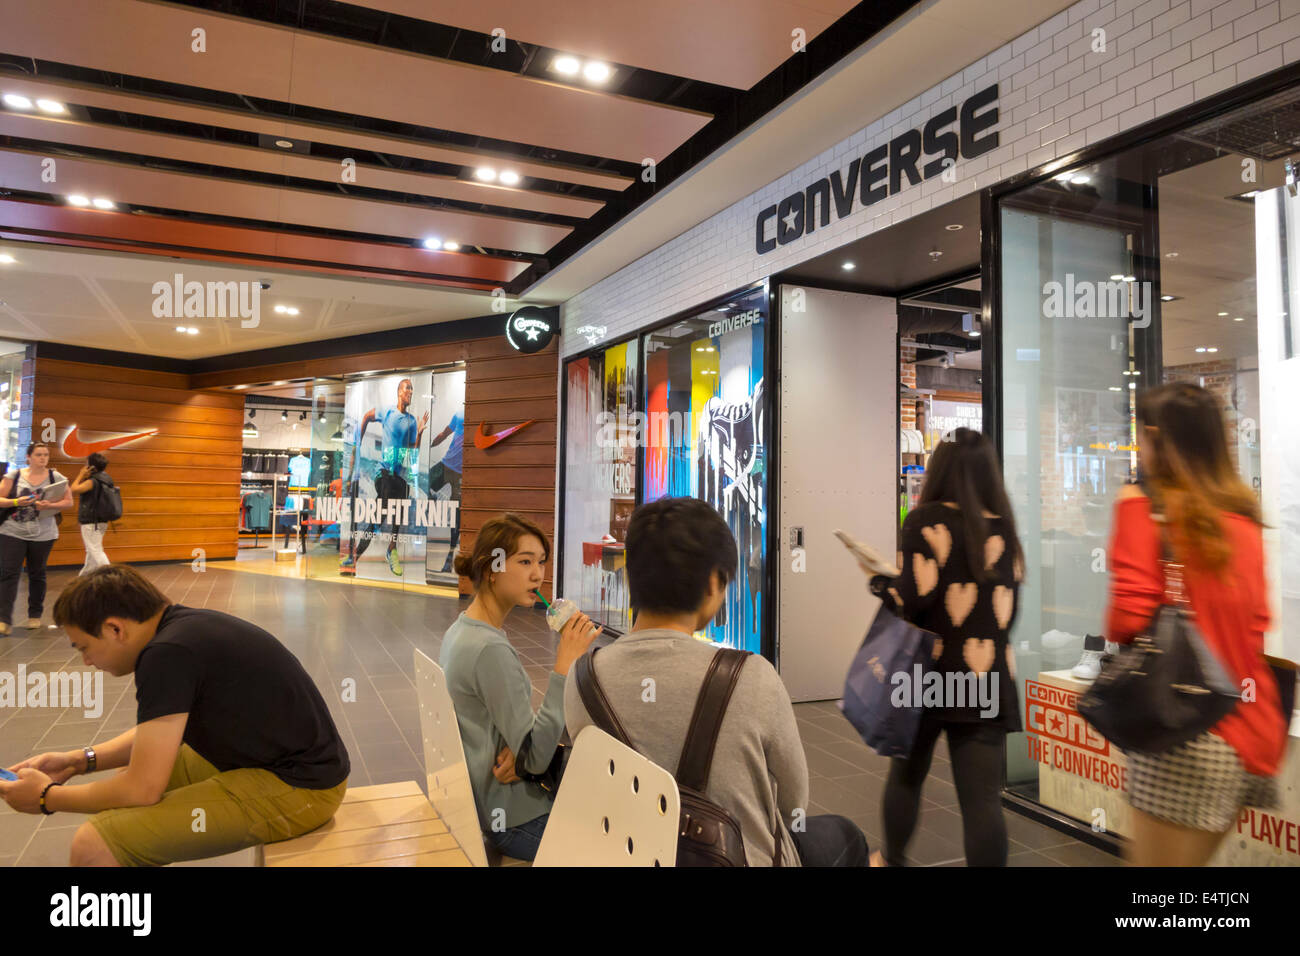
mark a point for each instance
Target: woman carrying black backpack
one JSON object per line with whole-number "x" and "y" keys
{"x": 99, "y": 504}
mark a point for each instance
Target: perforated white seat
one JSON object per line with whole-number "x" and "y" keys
{"x": 614, "y": 808}
{"x": 446, "y": 772}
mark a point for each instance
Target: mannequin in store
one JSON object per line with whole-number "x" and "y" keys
{"x": 401, "y": 448}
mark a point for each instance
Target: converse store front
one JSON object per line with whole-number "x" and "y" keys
{"x": 1132, "y": 212}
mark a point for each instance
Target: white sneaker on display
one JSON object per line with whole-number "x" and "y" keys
{"x": 1089, "y": 666}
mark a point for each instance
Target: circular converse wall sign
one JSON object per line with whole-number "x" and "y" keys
{"x": 529, "y": 330}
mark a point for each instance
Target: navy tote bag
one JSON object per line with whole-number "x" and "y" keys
{"x": 892, "y": 646}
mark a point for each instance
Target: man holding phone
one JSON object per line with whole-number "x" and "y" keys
{"x": 231, "y": 732}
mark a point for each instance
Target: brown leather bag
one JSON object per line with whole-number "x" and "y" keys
{"x": 708, "y": 834}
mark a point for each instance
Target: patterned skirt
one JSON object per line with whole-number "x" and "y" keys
{"x": 1200, "y": 784}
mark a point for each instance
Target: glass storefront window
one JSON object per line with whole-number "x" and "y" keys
{"x": 706, "y": 435}
{"x": 599, "y": 480}
{"x": 11, "y": 377}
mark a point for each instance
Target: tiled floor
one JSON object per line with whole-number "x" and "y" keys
{"x": 366, "y": 635}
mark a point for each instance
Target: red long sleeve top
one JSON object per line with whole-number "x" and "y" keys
{"x": 1232, "y": 613}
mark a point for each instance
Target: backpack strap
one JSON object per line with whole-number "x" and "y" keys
{"x": 694, "y": 764}
{"x": 595, "y": 701}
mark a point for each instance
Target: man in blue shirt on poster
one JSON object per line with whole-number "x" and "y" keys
{"x": 401, "y": 448}
{"x": 448, "y": 471}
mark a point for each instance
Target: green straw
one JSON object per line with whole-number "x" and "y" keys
{"x": 538, "y": 592}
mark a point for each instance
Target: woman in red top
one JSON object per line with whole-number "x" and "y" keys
{"x": 1186, "y": 799}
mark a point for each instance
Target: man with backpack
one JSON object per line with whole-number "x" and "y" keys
{"x": 745, "y": 798}
{"x": 101, "y": 502}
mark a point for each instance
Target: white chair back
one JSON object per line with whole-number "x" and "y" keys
{"x": 446, "y": 772}
{"x": 614, "y": 808}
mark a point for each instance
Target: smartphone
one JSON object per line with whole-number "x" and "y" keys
{"x": 7, "y": 774}
{"x": 866, "y": 555}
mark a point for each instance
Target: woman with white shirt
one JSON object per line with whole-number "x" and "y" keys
{"x": 29, "y": 533}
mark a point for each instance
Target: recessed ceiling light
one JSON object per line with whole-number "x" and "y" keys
{"x": 699, "y": 348}
{"x": 281, "y": 309}
{"x": 708, "y": 348}
{"x": 284, "y": 143}
{"x": 7, "y": 259}
{"x": 1166, "y": 298}
{"x": 1239, "y": 319}
{"x": 50, "y": 106}
{"x": 291, "y": 311}
{"x": 1080, "y": 179}
{"x": 451, "y": 246}
{"x": 102, "y": 203}
{"x": 953, "y": 227}
{"x": 1250, "y": 195}
{"x": 15, "y": 101}
{"x": 975, "y": 333}
{"x": 192, "y": 330}
{"x": 486, "y": 173}
{"x": 567, "y": 65}
{"x": 1117, "y": 278}
{"x": 433, "y": 242}
{"x": 1132, "y": 384}
{"x": 1063, "y": 177}
{"x": 1171, "y": 255}
{"x": 848, "y": 267}
{"x": 1212, "y": 349}
{"x": 1116, "y": 388}
{"x": 1130, "y": 279}
{"x": 181, "y": 329}
{"x": 78, "y": 200}
{"x": 510, "y": 178}
{"x": 1222, "y": 314}
{"x": 596, "y": 72}
{"x": 1200, "y": 348}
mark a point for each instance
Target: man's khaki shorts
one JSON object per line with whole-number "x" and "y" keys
{"x": 240, "y": 808}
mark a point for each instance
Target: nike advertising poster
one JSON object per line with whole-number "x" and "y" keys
{"x": 706, "y": 435}
{"x": 399, "y": 501}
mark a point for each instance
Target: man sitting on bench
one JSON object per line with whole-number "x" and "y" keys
{"x": 233, "y": 744}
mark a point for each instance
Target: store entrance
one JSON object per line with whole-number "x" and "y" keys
{"x": 879, "y": 346}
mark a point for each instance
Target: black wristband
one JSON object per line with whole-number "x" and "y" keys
{"x": 91, "y": 760}
{"x": 48, "y": 787}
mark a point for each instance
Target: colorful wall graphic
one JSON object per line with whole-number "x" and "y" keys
{"x": 706, "y": 437}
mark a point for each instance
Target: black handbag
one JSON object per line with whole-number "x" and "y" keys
{"x": 549, "y": 779}
{"x": 1165, "y": 688}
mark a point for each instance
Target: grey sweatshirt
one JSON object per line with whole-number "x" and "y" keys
{"x": 759, "y": 773}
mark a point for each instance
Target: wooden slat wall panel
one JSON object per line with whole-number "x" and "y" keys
{"x": 504, "y": 388}
{"x": 180, "y": 488}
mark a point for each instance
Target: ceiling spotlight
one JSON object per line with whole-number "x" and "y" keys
{"x": 101, "y": 203}
{"x": 1063, "y": 177}
{"x": 284, "y": 143}
{"x": 322, "y": 418}
{"x": 281, "y": 309}
{"x": 953, "y": 227}
{"x": 1200, "y": 348}
{"x": 50, "y": 106}
{"x": 1239, "y": 319}
{"x": 1222, "y": 314}
{"x": 1171, "y": 255}
{"x": 848, "y": 267}
{"x": 1130, "y": 278}
{"x": 974, "y": 333}
{"x": 1166, "y": 298}
{"x": 451, "y": 246}
{"x": 284, "y": 416}
{"x": 192, "y": 330}
{"x": 180, "y": 329}
{"x": 1212, "y": 349}
{"x": 510, "y": 178}
{"x": 708, "y": 348}
{"x": 596, "y": 72}
{"x": 1080, "y": 179}
{"x": 7, "y": 259}
{"x": 567, "y": 65}
{"x": 1117, "y": 278}
{"x": 699, "y": 348}
{"x": 1132, "y": 384}
{"x": 17, "y": 102}
{"x": 433, "y": 242}
{"x": 1116, "y": 388}
{"x": 78, "y": 200}
{"x": 486, "y": 173}
{"x": 291, "y": 311}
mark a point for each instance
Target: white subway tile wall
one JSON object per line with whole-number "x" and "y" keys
{"x": 1056, "y": 95}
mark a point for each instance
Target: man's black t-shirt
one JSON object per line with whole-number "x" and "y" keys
{"x": 251, "y": 704}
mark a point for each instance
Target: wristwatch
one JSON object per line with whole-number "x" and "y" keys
{"x": 90, "y": 759}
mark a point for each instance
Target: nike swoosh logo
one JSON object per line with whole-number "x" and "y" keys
{"x": 74, "y": 447}
{"x": 483, "y": 440}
